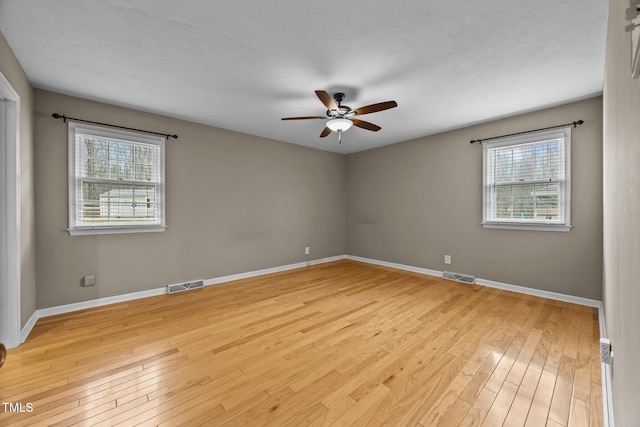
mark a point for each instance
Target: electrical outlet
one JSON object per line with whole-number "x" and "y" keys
{"x": 447, "y": 259}
{"x": 605, "y": 351}
{"x": 89, "y": 281}
{"x": 306, "y": 250}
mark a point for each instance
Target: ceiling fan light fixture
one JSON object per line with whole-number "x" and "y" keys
{"x": 339, "y": 124}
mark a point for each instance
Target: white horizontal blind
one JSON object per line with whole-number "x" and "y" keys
{"x": 117, "y": 180}
{"x": 526, "y": 179}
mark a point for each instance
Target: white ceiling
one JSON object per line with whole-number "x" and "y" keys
{"x": 242, "y": 65}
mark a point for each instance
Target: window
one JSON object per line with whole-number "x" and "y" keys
{"x": 527, "y": 182}
{"x": 116, "y": 181}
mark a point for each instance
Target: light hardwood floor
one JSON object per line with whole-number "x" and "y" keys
{"x": 341, "y": 344}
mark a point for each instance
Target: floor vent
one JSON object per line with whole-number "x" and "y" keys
{"x": 185, "y": 286}
{"x": 458, "y": 277}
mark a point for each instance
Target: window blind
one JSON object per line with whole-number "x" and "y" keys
{"x": 117, "y": 181}
{"x": 526, "y": 179}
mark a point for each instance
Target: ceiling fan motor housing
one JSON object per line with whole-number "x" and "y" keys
{"x": 343, "y": 111}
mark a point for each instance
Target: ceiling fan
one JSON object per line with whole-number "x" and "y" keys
{"x": 341, "y": 117}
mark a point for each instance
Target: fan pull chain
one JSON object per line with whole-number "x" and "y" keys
{"x": 339, "y": 136}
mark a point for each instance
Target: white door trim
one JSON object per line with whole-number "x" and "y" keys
{"x": 10, "y": 218}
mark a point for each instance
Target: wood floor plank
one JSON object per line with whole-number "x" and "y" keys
{"x": 339, "y": 408}
{"x": 476, "y": 384}
{"x": 479, "y": 409}
{"x": 341, "y": 343}
{"x": 187, "y": 417}
{"x": 265, "y": 403}
{"x": 519, "y": 410}
{"x": 448, "y": 406}
{"x": 453, "y": 415}
{"x": 501, "y": 405}
{"x": 539, "y": 411}
{"x": 561, "y": 401}
{"x": 582, "y": 381}
{"x": 579, "y": 413}
{"x": 595, "y": 406}
{"x": 449, "y": 409}
{"x": 420, "y": 399}
{"x": 290, "y": 406}
{"x": 361, "y": 412}
{"x": 517, "y": 372}
{"x": 162, "y": 401}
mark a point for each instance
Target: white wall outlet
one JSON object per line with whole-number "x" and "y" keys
{"x": 89, "y": 281}
{"x": 306, "y": 250}
{"x": 605, "y": 351}
{"x": 447, "y": 259}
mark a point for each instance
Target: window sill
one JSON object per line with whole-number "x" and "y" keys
{"x": 115, "y": 230}
{"x": 532, "y": 227}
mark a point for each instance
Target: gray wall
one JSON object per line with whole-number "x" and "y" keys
{"x": 621, "y": 215}
{"x": 414, "y": 202}
{"x": 238, "y": 203}
{"x": 235, "y": 203}
{"x": 12, "y": 70}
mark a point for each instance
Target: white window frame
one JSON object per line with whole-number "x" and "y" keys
{"x": 565, "y": 183}
{"x": 107, "y": 132}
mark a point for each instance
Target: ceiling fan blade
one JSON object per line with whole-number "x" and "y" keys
{"x": 365, "y": 125}
{"x": 325, "y": 132}
{"x": 374, "y": 108}
{"x": 304, "y": 118}
{"x": 327, "y": 100}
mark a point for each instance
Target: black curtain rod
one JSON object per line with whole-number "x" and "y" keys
{"x": 65, "y": 118}
{"x": 574, "y": 124}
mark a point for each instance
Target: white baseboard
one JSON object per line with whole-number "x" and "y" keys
{"x": 255, "y": 273}
{"x": 607, "y": 395}
{"x": 540, "y": 293}
{"x": 395, "y": 265}
{"x": 83, "y": 305}
{"x": 26, "y": 329}
{"x": 490, "y": 283}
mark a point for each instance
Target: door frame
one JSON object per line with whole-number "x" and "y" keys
{"x": 10, "y": 262}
